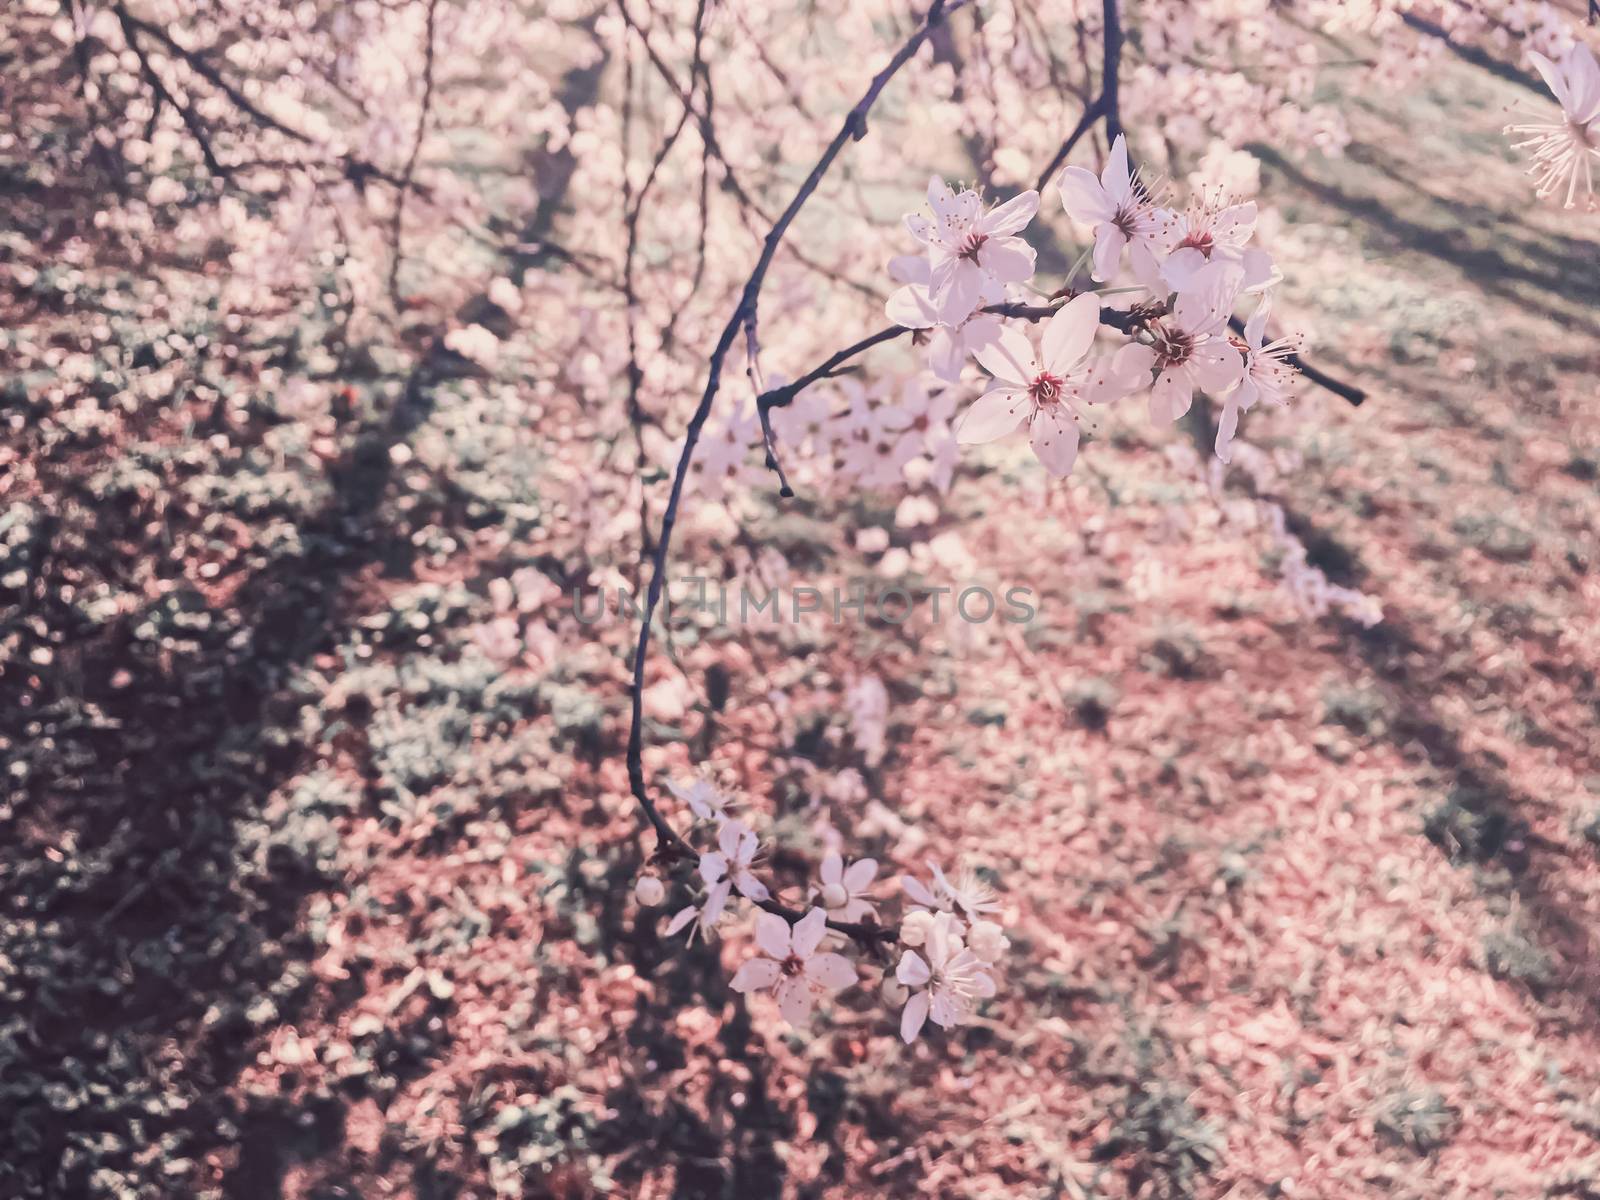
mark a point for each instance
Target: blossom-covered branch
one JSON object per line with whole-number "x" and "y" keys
{"x": 853, "y": 129}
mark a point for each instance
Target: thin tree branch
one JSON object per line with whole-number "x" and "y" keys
{"x": 1345, "y": 391}
{"x": 1105, "y": 104}
{"x": 854, "y": 128}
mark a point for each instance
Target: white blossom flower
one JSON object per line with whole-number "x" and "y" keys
{"x": 730, "y": 864}
{"x": 1266, "y": 376}
{"x": 969, "y": 249}
{"x": 1050, "y": 389}
{"x": 705, "y": 800}
{"x": 1192, "y": 349}
{"x": 947, "y": 985}
{"x": 1563, "y": 152}
{"x": 1119, "y": 207}
{"x": 791, "y": 967}
{"x": 844, "y": 889}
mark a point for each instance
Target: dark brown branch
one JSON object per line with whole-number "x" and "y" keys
{"x": 854, "y": 128}
{"x": 1341, "y": 389}
{"x": 357, "y": 169}
{"x": 781, "y": 397}
{"x": 1103, "y": 105}
{"x": 1111, "y": 66}
{"x": 1090, "y": 116}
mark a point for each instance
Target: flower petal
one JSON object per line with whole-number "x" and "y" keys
{"x": 1011, "y": 216}
{"x": 1171, "y": 396}
{"x": 913, "y": 971}
{"x": 808, "y": 932}
{"x": 1114, "y": 376}
{"x": 1115, "y": 178}
{"x": 1083, "y": 197}
{"x": 772, "y": 935}
{"x": 1108, "y": 244}
{"x": 794, "y": 1000}
{"x": 860, "y": 875}
{"x": 992, "y": 415}
{"x": 832, "y": 867}
{"x": 912, "y": 307}
{"x": 962, "y": 292}
{"x": 913, "y": 1016}
{"x": 1227, "y": 427}
{"x": 909, "y": 268}
{"x": 832, "y": 971}
{"x": 1009, "y": 260}
{"x": 713, "y": 866}
{"x": 680, "y": 919}
{"x": 1009, "y": 357}
{"x": 751, "y": 887}
{"x": 1217, "y": 365}
{"x": 918, "y": 891}
{"x": 1069, "y": 334}
{"x": 1054, "y": 438}
{"x": 756, "y": 975}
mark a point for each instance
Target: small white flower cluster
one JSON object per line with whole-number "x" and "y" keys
{"x": 959, "y": 945}
{"x": 1192, "y": 267}
{"x": 797, "y": 961}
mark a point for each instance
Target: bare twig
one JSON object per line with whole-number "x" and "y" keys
{"x": 854, "y": 128}
{"x": 1105, "y": 104}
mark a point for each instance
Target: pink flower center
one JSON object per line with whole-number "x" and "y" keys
{"x": 971, "y": 244}
{"x": 1172, "y": 346}
{"x": 1045, "y": 389}
{"x": 1199, "y": 240}
{"x": 793, "y": 965}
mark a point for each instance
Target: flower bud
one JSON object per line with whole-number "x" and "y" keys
{"x": 894, "y": 992}
{"x": 834, "y": 896}
{"x": 987, "y": 941}
{"x": 914, "y": 929}
{"x": 650, "y": 890}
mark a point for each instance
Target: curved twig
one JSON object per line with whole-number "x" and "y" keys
{"x": 854, "y": 128}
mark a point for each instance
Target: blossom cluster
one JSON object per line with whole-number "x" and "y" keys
{"x": 1189, "y": 270}
{"x": 949, "y": 942}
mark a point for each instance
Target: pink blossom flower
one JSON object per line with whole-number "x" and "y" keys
{"x": 1211, "y": 231}
{"x": 1564, "y": 152}
{"x": 843, "y": 891}
{"x": 1191, "y": 346}
{"x": 791, "y": 969}
{"x": 1049, "y": 389}
{"x": 969, "y": 249}
{"x": 948, "y": 346}
{"x": 947, "y": 985}
{"x": 1266, "y": 377}
{"x": 1120, "y": 209}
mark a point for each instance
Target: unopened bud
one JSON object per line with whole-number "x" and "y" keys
{"x": 893, "y": 991}
{"x": 987, "y": 941}
{"x": 834, "y": 896}
{"x": 914, "y": 929}
{"x": 650, "y": 890}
